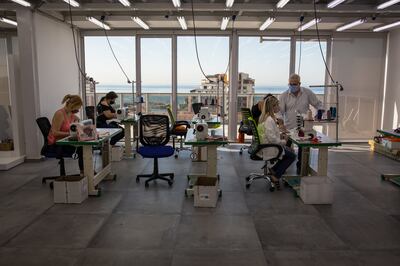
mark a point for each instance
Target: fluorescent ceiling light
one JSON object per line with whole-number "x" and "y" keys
{"x": 141, "y": 23}
{"x": 72, "y": 3}
{"x": 182, "y": 21}
{"x": 98, "y": 23}
{"x": 335, "y": 3}
{"x": 22, "y": 2}
{"x": 229, "y": 3}
{"x": 388, "y": 3}
{"x": 282, "y": 3}
{"x": 125, "y": 3}
{"x": 8, "y": 21}
{"x": 177, "y": 3}
{"x": 267, "y": 23}
{"x": 351, "y": 25}
{"x": 224, "y": 23}
{"x": 309, "y": 24}
{"x": 395, "y": 24}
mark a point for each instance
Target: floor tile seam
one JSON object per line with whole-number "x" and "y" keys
{"x": 39, "y": 215}
{"x": 21, "y": 187}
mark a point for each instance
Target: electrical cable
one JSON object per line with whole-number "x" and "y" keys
{"x": 319, "y": 42}
{"x": 301, "y": 44}
{"x": 73, "y": 36}
{"x": 115, "y": 57}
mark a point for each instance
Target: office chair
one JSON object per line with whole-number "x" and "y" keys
{"x": 45, "y": 126}
{"x": 178, "y": 130}
{"x": 196, "y": 107}
{"x": 90, "y": 113}
{"x": 245, "y": 126}
{"x": 257, "y": 147}
{"x": 154, "y": 135}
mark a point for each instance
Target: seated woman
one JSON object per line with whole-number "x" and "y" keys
{"x": 270, "y": 134}
{"x": 61, "y": 122}
{"x": 105, "y": 112}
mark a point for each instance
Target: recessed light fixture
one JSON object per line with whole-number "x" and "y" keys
{"x": 351, "y": 25}
{"x": 388, "y": 3}
{"x": 141, "y": 23}
{"x": 72, "y": 3}
{"x": 267, "y": 23}
{"x": 182, "y": 22}
{"x": 335, "y": 3}
{"x": 282, "y": 3}
{"x": 98, "y": 23}
{"x": 395, "y": 24}
{"x": 229, "y": 3}
{"x": 177, "y": 3}
{"x": 309, "y": 24}
{"x": 224, "y": 23}
{"x": 8, "y": 21}
{"x": 22, "y": 2}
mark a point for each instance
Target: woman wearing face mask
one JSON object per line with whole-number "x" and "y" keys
{"x": 270, "y": 134}
{"x": 61, "y": 122}
{"x": 105, "y": 112}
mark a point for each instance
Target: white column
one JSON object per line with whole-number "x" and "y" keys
{"x": 138, "y": 71}
{"x": 174, "y": 100}
{"x": 233, "y": 87}
{"x": 29, "y": 83}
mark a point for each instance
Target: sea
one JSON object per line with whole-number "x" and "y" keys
{"x": 101, "y": 88}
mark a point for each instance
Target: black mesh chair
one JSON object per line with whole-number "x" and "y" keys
{"x": 254, "y": 150}
{"x": 178, "y": 130}
{"x": 45, "y": 126}
{"x": 154, "y": 135}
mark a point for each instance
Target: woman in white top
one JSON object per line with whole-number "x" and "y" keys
{"x": 270, "y": 134}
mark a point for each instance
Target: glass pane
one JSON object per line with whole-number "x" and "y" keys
{"x": 102, "y": 66}
{"x": 214, "y": 56}
{"x": 266, "y": 61}
{"x": 156, "y": 56}
{"x": 6, "y": 134}
{"x": 312, "y": 67}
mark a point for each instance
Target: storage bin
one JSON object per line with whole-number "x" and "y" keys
{"x": 206, "y": 192}
{"x": 70, "y": 189}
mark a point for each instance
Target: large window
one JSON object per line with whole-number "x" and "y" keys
{"x": 156, "y": 69}
{"x": 192, "y": 85}
{"x": 102, "y": 66}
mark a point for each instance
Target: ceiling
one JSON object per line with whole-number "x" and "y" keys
{"x": 250, "y": 14}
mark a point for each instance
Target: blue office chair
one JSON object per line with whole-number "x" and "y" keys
{"x": 154, "y": 135}
{"x": 45, "y": 126}
{"x": 254, "y": 150}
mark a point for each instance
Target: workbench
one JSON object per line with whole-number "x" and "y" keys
{"x": 105, "y": 134}
{"x": 394, "y": 178}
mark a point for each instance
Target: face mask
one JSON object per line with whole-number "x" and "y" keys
{"x": 112, "y": 102}
{"x": 294, "y": 88}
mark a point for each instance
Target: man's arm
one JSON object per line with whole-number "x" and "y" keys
{"x": 313, "y": 100}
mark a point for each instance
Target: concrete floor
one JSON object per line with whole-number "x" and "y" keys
{"x": 131, "y": 225}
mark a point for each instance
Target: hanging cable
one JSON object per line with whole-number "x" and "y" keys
{"x": 73, "y": 36}
{"x": 319, "y": 42}
{"x": 112, "y": 51}
{"x": 301, "y": 44}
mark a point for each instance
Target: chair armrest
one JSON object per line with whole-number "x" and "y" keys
{"x": 182, "y": 123}
{"x": 270, "y": 146}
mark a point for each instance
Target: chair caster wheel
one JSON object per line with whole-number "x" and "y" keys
{"x": 272, "y": 189}
{"x": 170, "y": 183}
{"x": 220, "y": 193}
{"x": 186, "y": 194}
{"x": 146, "y": 185}
{"x": 51, "y": 185}
{"x": 248, "y": 178}
{"x": 248, "y": 186}
{"x": 43, "y": 181}
{"x": 241, "y": 152}
{"x": 172, "y": 177}
{"x": 176, "y": 156}
{"x": 115, "y": 178}
{"x": 137, "y": 180}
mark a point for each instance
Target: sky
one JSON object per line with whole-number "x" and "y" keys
{"x": 267, "y": 62}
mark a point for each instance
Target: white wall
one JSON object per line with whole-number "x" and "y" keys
{"x": 56, "y": 64}
{"x": 391, "y": 107}
{"x": 358, "y": 64}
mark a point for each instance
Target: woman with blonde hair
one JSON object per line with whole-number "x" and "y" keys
{"x": 270, "y": 134}
{"x": 60, "y": 125}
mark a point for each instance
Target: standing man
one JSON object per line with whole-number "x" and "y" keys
{"x": 296, "y": 99}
